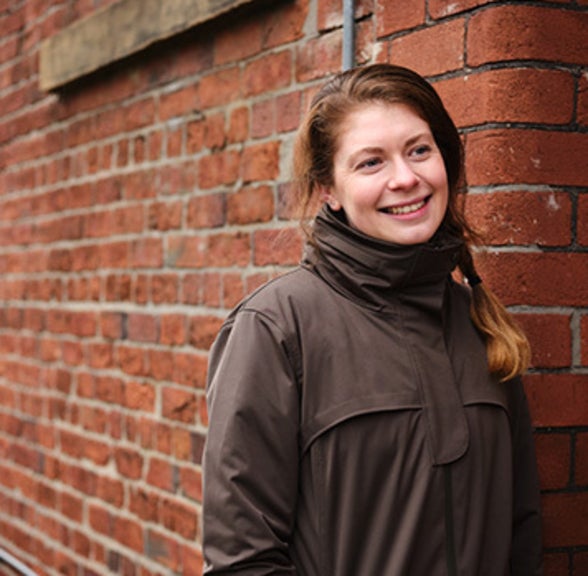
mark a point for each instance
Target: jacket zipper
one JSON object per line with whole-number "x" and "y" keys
{"x": 449, "y": 524}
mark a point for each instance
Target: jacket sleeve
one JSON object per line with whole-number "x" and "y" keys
{"x": 527, "y": 553}
{"x": 250, "y": 477}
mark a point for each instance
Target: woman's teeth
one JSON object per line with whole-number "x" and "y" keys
{"x": 398, "y": 210}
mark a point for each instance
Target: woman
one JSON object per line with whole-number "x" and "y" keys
{"x": 366, "y": 412}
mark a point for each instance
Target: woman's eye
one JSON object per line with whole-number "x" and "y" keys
{"x": 369, "y": 163}
{"x": 421, "y": 150}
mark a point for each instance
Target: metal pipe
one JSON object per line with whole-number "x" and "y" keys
{"x": 348, "y": 34}
{"x": 10, "y": 560}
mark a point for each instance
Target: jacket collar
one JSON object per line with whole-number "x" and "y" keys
{"x": 375, "y": 271}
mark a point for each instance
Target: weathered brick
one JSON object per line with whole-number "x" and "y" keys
{"x": 178, "y": 405}
{"x": 173, "y": 329}
{"x": 220, "y": 88}
{"x": 434, "y": 50}
{"x": 503, "y": 33}
{"x": 550, "y": 336}
{"x": 237, "y": 43}
{"x": 557, "y": 399}
{"x": 268, "y": 73}
{"x": 319, "y": 57}
{"x": 250, "y": 204}
{"x": 551, "y": 279}
{"x": 542, "y": 218}
{"x": 581, "y": 471}
{"x": 563, "y": 519}
{"x": 277, "y": 247}
{"x": 526, "y": 157}
{"x": 509, "y": 95}
{"x": 400, "y": 16}
{"x": 260, "y": 162}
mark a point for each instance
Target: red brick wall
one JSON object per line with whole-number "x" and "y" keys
{"x": 140, "y": 204}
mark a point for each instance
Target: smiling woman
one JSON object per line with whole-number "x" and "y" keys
{"x": 389, "y": 175}
{"x": 366, "y": 412}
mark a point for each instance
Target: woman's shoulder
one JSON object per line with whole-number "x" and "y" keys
{"x": 283, "y": 298}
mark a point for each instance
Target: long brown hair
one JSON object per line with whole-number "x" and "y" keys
{"x": 507, "y": 347}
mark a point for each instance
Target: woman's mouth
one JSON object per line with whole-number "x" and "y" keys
{"x": 406, "y": 208}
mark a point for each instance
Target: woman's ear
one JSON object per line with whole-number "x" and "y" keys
{"x": 326, "y": 195}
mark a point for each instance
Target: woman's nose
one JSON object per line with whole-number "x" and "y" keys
{"x": 402, "y": 175}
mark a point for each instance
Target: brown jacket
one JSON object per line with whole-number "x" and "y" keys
{"x": 355, "y": 429}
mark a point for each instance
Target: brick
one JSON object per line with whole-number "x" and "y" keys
{"x": 163, "y": 550}
{"x": 143, "y": 327}
{"x": 179, "y": 518}
{"x": 553, "y": 460}
{"x": 401, "y": 16}
{"x": 140, "y": 114}
{"x": 582, "y": 219}
{"x": 165, "y": 216}
{"x": 237, "y": 43}
{"x": 536, "y": 279}
{"x": 509, "y": 95}
{"x": 268, "y": 73}
{"x": 217, "y": 169}
{"x": 281, "y": 247}
{"x": 581, "y": 477}
{"x": 214, "y": 131}
{"x": 178, "y": 405}
{"x": 160, "y": 474}
{"x": 564, "y": 519}
{"x": 100, "y": 355}
{"x": 557, "y": 399}
{"x": 164, "y": 288}
{"x": 177, "y": 178}
{"x": 191, "y": 483}
{"x": 160, "y": 364}
{"x": 228, "y": 249}
{"x": 550, "y": 337}
{"x": 220, "y": 88}
{"x": 434, "y": 50}
{"x": 131, "y": 360}
{"x": 190, "y": 370}
{"x": 526, "y": 156}
{"x": 582, "y": 108}
{"x": 207, "y": 211}
{"x": 238, "y": 125}
{"x": 173, "y": 330}
{"x": 504, "y": 33}
{"x": 584, "y": 339}
{"x": 129, "y": 463}
{"x": 174, "y": 142}
{"x": 263, "y": 118}
{"x": 108, "y": 389}
{"x": 250, "y": 204}
{"x": 181, "y": 102}
{"x": 542, "y": 218}
{"x": 129, "y": 533}
{"x": 144, "y": 504}
{"x": 319, "y": 57}
{"x": 580, "y": 562}
{"x": 288, "y": 111}
{"x": 284, "y": 23}
{"x": 181, "y": 441}
{"x": 203, "y": 330}
{"x": 260, "y": 162}
{"x": 185, "y": 252}
{"x": 139, "y": 396}
{"x": 146, "y": 253}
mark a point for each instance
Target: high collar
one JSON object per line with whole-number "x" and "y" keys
{"x": 374, "y": 271}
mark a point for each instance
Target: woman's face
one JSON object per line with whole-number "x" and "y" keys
{"x": 389, "y": 175}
